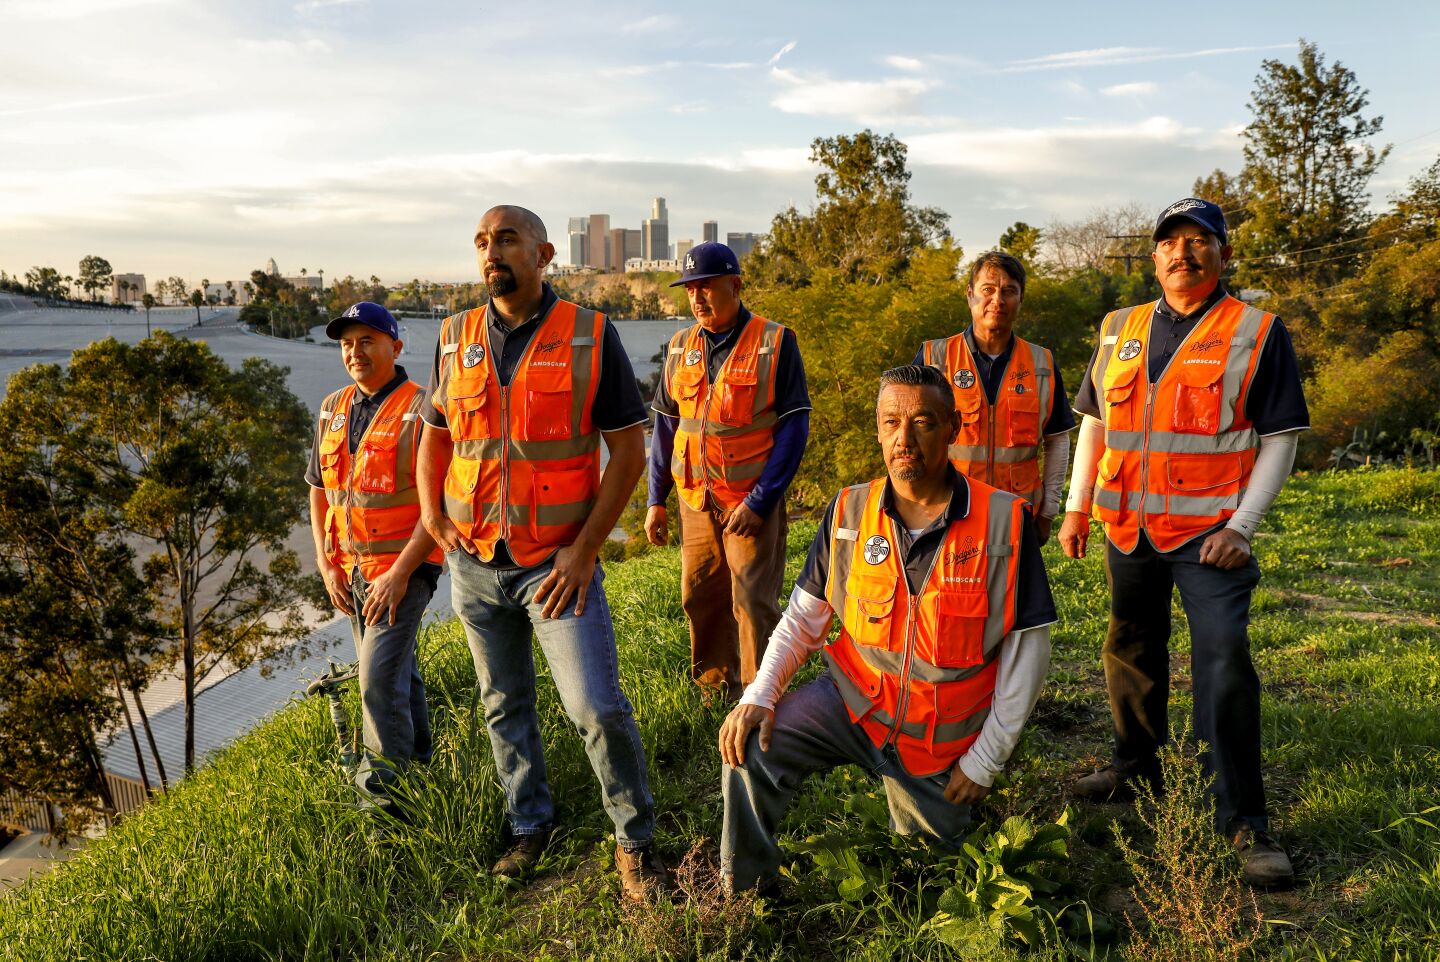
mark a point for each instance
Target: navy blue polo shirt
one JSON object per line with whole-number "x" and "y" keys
{"x": 617, "y": 404}
{"x": 791, "y": 392}
{"x": 992, "y": 376}
{"x": 1276, "y": 400}
{"x": 1034, "y": 605}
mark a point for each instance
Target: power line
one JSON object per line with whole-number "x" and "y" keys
{"x": 1321, "y": 247}
{"x": 1319, "y": 260}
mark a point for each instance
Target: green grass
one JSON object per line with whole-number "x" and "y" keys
{"x": 256, "y": 856}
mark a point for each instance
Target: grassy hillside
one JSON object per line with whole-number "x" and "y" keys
{"x": 257, "y": 857}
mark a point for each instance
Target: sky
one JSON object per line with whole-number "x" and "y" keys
{"x": 367, "y": 136}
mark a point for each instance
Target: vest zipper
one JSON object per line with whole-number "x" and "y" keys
{"x": 504, "y": 460}
{"x": 914, "y": 606}
{"x": 990, "y": 444}
{"x": 704, "y": 418}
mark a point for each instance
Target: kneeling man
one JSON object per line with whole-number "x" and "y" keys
{"x": 944, "y": 612}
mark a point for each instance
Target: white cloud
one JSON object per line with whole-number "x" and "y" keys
{"x": 1137, "y": 89}
{"x": 1052, "y": 150}
{"x": 905, "y": 63}
{"x": 310, "y": 6}
{"x": 1111, "y": 56}
{"x": 653, "y": 24}
{"x": 818, "y": 94}
{"x": 71, "y": 9}
{"x": 781, "y": 52}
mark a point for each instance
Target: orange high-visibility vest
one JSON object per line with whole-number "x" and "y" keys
{"x": 526, "y": 460}
{"x": 373, "y": 503}
{"x": 727, "y": 429}
{"x": 999, "y": 443}
{"x": 918, "y": 671}
{"x": 1179, "y": 452}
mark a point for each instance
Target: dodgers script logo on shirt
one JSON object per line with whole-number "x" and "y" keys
{"x": 965, "y": 378}
{"x": 338, "y": 421}
{"x": 877, "y": 549}
{"x": 1129, "y": 349}
{"x": 474, "y": 354}
{"x": 692, "y": 356}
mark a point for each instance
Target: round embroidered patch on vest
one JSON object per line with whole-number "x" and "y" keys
{"x": 474, "y": 354}
{"x": 1129, "y": 349}
{"x": 965, "y": 378}
{"x": 338, "y": 421}
{"x": 877, "y": 549}
{"x": 692, "y": 356}
{"x": 1019, "y": 389}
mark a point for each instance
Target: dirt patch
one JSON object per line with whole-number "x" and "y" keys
{"x": 1332, "y": 606}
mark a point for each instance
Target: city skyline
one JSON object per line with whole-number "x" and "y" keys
{"x": 349, "y": 134}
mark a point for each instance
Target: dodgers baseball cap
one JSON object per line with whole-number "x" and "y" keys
{"x": 1202, "y": 212}
{"x": 368, "y": 313}
{"x": 710, "y": 259}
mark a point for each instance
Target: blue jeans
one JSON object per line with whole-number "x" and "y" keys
{"x": 497, "y": 609}
{"x": 395, "y": 717}
{"x": 813, "y": 733}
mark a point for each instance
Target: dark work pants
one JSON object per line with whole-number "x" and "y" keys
{"x": 1136, "y": 657}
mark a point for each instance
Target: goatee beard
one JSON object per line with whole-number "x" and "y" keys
{"x": 501, "y": 283}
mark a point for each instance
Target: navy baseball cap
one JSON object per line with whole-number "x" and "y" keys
{"x": 710, "y": 259}
{"x": 368, "y": 313}
{"x": 1202, "y": 212}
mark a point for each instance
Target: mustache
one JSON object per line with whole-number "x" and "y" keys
{"x": 1175, "y": 266}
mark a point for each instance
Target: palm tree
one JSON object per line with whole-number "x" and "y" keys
{"x": 321, "y": 272}
{"x": 148, "y": 300}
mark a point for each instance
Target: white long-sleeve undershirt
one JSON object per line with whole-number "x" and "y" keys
{"x": 1024, "y": 662}
{"x": 1057, "y": 459}
{"x": 1272, "y": 467}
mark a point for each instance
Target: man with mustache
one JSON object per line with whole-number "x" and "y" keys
{"x": 1008, "y": 393}
{"x": 944, "y": 643}
{"x": 378, "y": 562}
{"x": 1192, "y": 409}
{"x": 731, "y": 421}
{"x": 522, "y": 391}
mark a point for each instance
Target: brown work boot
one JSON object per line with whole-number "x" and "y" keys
{"x": 1263, "y": 863}
{"x": 641, "y": 875}
{"x": 521, "y": 857}
{"x": 1109, "y": 784}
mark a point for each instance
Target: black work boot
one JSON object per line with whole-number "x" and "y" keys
{"x": 1110, "y": 784}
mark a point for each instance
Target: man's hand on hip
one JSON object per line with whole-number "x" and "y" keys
{"x": 1225, "y": 549}
{"x": 657, "y": 526}
{"x": 743, "y": 521}
{"x": 447, "y": 536}
{"x": 735, "y": 732}
{"x": 962, "y": 791}
{"x": 384, "y": 596}
{"x": 1074, "y": 533}
{"x": 569, "y": 577}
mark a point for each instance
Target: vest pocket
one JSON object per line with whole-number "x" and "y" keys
{"x": 1023, "y": 419}
{"x": 1197, "y": 399}
{"x": 332, "y": 460}
{"x": 559, "y": 499}
{"x": 375, "y": 468}
{"x": 1109, "y": 497}
{"x": 466, "y": 410}
{"x": 461, "y": 478}
{"x": 737, "y": 399}
{"x": 1119, "y": 389}
{"x": 960, "y": 628}
{"x": 547, "y": 415}
{"x": 869, "y": 605}
{"x": 1202, "y": 473}
{"x": 968, "y": 406}
{"x": 685, "y": 389}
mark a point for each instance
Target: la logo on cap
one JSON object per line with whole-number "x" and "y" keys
{"x": 689, "y": 262}
{"x": 354, "y": 311}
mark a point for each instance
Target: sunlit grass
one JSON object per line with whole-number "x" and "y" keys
{"x": 258, "y": 856}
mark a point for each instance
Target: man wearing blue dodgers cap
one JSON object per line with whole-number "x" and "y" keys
{"x": 1202, "y": 406}
{"x": 378, "y": 562}
{"x": 731, "y": 422}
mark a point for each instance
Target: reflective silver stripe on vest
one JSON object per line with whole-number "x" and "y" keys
{"x": 1174, "y": 442}
{"x": 1199, "y": 506}
{"x": 1237, "y": 362}
{"x": 860, "y": 704}
{"x": 1003, "y": 455}
{"x": 847, "y": 531}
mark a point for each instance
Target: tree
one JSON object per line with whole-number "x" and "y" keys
{"x": 76, "y": 624}
{"x": 148, "y": 301}
{"x": 1233, "y": 194}
{"x": 1308, "y": 167}
{"x": 205, "y": 465}
{"x": 1103, "y": 241}
{"x": 173, "y": 289}
{"x": 230, "y": 292}
{"x": 1022, "y": 240}
{"x": 196, "y": 299}
{"x": 45, "y": 282}
{"x": 95, "y": 273}
{"x": 863, "y": 224}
